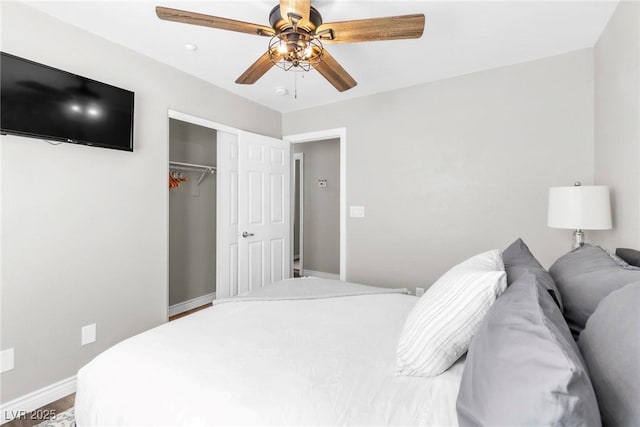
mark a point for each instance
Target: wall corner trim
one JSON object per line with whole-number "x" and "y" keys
{"x": 36, "y": 399}
{"x": 181, "y": 307}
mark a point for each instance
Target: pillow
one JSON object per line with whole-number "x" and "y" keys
{"x": 610, "y": 345}
{"x": 630, "y": 256}
{"x": 518, "y": 260}
{"x": 584, "y": 277}
{"x": 523, "y": 367}
{"x": 440, "y": 326}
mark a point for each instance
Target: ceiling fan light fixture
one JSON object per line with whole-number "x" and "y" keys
{"x": 308, "y": 51}
{"x": 282, "y": 48}
{"x": 295, "y": 51}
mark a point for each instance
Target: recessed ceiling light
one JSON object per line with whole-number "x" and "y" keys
{"x": 191, "y": 47}
{"x": 281, "y": 91}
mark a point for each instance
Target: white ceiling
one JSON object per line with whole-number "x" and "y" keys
{"x": 459, "y": 38}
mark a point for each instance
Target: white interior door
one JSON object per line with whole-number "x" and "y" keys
{"x": 227, "y": 215}
{"x": 264, "y": 221}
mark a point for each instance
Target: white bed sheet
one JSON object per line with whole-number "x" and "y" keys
{"x": 327, "y": 361}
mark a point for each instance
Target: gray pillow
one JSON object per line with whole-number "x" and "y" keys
{"x": 610, "y": 345}
{"x": 524, "y": 368}
{"x": 584, "y": 277}
{"x": 630, "y": 256}
{"x": 518, "y": 260}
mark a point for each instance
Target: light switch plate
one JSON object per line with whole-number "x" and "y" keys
{"x": 356, "y": 211}
{"x": 88, "y": 334}
{"x": 6, "y": 360}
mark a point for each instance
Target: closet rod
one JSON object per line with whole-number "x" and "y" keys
{"x": 205, "y": 169}
{"x": 191, "y": 166}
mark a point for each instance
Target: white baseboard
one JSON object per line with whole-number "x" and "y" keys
{"x": 34, "y": 400}
{"x": 320, "y": 274}
{"x": 181, "y": 307}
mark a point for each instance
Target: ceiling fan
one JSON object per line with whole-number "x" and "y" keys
{"x": 297, "y": 36}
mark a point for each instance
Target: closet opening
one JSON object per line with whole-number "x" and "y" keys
{"x": 229, "y": 212}
{"x": 192, "y": 216}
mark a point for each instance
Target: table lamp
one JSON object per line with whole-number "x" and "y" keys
{"x": 581, "y": 207}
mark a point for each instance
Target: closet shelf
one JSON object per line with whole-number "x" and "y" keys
{"x": 205, "y": 169}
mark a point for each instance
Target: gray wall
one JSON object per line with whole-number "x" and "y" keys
{"x": 321, "y": 205}
{"x": 84, "y": 230}
{"x": 617, "y": 123}
{"x": 455, "y": 167}
{"x": 192, "y": 215}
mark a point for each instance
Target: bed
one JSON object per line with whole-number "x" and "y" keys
{"x": 497, "y": 340}
{"x": 300, "y": 352}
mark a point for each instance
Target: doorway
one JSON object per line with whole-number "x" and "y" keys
{"x": 192, "y": 216}
{"x": 319, "y": 204}
{"x": 252, "y": 210}
{"x": 298, "y": 214}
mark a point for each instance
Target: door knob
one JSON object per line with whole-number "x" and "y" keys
{"x": 245, "y": 234}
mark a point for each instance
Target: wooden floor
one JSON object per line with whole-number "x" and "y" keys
{"x": 43, "y": 414}
{"x": 48, "y": 411}
{"x": 186, "y": 313}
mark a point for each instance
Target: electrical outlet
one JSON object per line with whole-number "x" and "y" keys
{"x": 6, "y": 360}
{"x": 88, "y": 334}
{"x": 419, "y": 292}
{"x": 356, "y": 211}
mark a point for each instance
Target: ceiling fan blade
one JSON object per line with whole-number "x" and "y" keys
{"x": 297, "y": 7}
{"x": 366, "y": 30}
{"x": 256, "y": 70}
{"x": 203, "y": 20}
{"x": 334, "y": 73}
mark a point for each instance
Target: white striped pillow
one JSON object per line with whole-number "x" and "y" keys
{"x": 439, "y": 328}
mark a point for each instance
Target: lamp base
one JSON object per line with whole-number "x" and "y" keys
{"x": 578, "y": 239}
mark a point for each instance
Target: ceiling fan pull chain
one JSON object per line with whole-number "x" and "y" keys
{"x": 295, "y": 86}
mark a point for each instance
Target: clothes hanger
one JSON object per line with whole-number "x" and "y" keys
{"x": 176, "y": 179}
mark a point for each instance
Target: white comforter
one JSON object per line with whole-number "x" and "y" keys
{"x": 311, "y": 361}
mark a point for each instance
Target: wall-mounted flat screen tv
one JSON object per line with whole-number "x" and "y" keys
{"x": 43, "y": 102}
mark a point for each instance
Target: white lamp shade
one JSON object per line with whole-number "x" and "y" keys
{"x": 584, "y": 207}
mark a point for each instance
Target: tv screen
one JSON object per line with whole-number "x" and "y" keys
{"x": 43, "y": 102}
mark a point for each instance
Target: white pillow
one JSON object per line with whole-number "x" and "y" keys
{"x": 440, "y": 326}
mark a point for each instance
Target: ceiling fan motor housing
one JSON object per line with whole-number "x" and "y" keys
{"x": 295, "y": 44}
{"x": 280, "y": 23}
